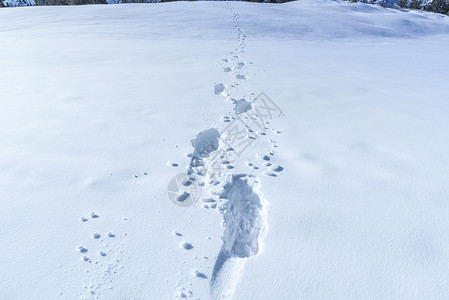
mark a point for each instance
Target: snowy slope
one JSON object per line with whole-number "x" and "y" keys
{"x": 343, "y": 193}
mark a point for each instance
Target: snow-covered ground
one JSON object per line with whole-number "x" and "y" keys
{"x": 336, "y": 189}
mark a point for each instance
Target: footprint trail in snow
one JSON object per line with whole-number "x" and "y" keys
{"x": 228, "y": 168}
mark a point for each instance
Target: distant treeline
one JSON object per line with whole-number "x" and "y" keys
{"x": 5, "y": 3}
{"x": 68, "y": 2}
{"x": 437, "y": 6}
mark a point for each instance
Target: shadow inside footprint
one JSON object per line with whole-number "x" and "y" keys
{"x": 199, "y": 274}
{"x": 186, "y": 245}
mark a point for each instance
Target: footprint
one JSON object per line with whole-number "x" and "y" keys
{"x": 187, "y": 181}
{"x": 111, "y": 235}
{"x": 187, "y": 245}
{"x": 227, "y": 69}
{"x": 82, "y": 249}
{"x": 182, "y": 293}
{"x": 182, "y": 196}
{"x": 173, "y": 164}
{"x": 246, "y": 204}
{"x": 269, "y": 173}
{"x": 226, "y": 119}
{"x": 243, "y": 219}
{"x": 199, "y": 274}
{"x": 83, "y": 219}
{"x": 240, "y": 65}
{"x": 86, "y": 259}
{"x": 242, "y": 106}
{"x": 264, "y": 157}
{"x": 209, "y": 200}
{"x": 96, "y": 235}
{"x": 276, "y": 168}
{"x": 205, "y": 142}
{"x": 101, "y": 253}
{"x": 219, "y": 88}
{"x": 241, "y": 77}
{"x": 94, "y": 216}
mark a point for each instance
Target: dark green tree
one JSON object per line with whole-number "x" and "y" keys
{"x": 439, "y": 6}
{"x": 416, "y": 4}
{"x": 83, "y": 2}
{"x": 403, "y": 3}
{"x": 69, "y": 2}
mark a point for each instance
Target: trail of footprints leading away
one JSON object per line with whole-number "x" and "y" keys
{"x": 101, "y": 256}
{"x": 229, "y": 177}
